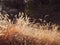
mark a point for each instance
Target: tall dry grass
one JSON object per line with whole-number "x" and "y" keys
{"x": 27, "y": 33}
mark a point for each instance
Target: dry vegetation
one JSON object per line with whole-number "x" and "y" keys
{"x": 26, "y": 33}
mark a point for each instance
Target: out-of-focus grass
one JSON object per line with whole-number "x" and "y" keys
{"x": 26, "y": 33}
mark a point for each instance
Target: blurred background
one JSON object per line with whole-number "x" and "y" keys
{"x": 42, "y": 11}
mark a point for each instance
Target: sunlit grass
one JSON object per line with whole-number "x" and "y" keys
{"x": 24, "y": 32}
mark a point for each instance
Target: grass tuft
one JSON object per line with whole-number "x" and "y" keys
{"x": 27, "y": 33}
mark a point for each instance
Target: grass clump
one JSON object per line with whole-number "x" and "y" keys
{"x": 25, "y": 33}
